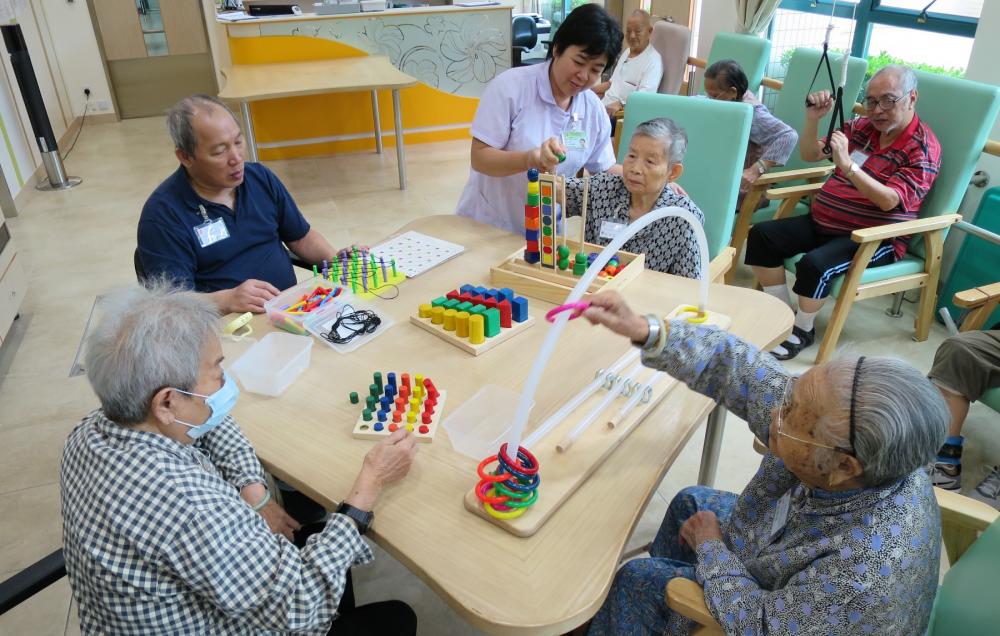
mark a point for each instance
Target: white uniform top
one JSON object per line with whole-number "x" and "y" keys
{"x": 518, "y": 112}
{"x": 641, "y": 73}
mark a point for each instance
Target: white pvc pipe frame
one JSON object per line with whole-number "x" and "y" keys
{"x": 513, "y": 438}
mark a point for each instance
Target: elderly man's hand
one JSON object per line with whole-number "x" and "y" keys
{"x": 820, "y": 104}
{"x": 701, "y": 527}
{"x": 250, "y": 296}
{"x": 609, "y": 309}
{"x": 279, "y": 521}
{"x": 613, "y": 108}
{"x": 840, "y": 149}
{"x": 386, "y": 462}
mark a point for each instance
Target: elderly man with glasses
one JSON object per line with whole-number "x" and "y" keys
{"x": 885, "y": 164}
{"x": 838, "y": 531}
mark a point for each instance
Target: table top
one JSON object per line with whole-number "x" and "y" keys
{"x": 558, "y": 578}
{"x": 251, "y": 82}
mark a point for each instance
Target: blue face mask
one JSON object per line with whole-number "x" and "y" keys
{"x": 221, "y": 403}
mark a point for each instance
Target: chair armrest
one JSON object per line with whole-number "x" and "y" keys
{"x": 721, "y": 264}
{"x": 31, "y": 580}
{"x": 816, "y": 172}
{"x": 687, "y": 598}
{"x": 795, "y": 191}
{"x": 904, "y": 228}
{"x": 620, "y": 114}
{"x": 977, "y": 296}
{"x": 965, "y": 511}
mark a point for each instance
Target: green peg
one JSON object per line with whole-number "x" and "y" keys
{"x": 354, "y": 397}
{"x": 392, "y": 261}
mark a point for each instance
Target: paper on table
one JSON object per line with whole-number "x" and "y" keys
{"x": 234, "y": 16}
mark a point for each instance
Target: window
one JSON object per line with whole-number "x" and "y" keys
{"x": 964, "y": 8}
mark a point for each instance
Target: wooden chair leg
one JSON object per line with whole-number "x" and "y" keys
{"x": 933, "y": 247}
{"x": 844, "y": 301}
{"x": 742, "y": 228}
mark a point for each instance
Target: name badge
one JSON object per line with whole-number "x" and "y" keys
{"x": 859, "y": 157}
{"x": 211, "y": 232}
{"x": 574, "y": 139}
{"x": 780, "y": 516}
{"x": 611, "y": 229}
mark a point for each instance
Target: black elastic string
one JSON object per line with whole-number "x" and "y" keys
{"x": 357, "y": 323}
{"x": 854, "y": 399}
{"x": 837, "y": 116}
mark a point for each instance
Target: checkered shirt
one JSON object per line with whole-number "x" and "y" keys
{"x": 158, "y": 541}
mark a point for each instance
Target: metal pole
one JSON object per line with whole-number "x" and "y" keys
{"x": 378, "y": 122}
{"x": 248, "y": 131}
{"x": 715, "y": 426}
{"x": 400, "y": 158}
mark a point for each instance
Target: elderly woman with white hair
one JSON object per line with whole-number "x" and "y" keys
{"x": 167, "y": 524}
{"x": 837, "y": 532}
{"x": 654, "y": 161}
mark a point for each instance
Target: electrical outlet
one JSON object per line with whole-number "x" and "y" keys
{"x": 86, "y": 91}
{"x": 102, "y": 105}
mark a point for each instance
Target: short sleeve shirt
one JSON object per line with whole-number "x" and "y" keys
{"x": 265, "y": 218}
{"x": 641, "y": 73}
{"x": 517, "y": 112}
{"x": 909, "y": 166}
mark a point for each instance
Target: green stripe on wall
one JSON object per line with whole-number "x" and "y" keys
{"x": 10, "y": 153}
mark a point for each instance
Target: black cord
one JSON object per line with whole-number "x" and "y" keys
{"x": 357, "y": 322}
{"x": 83, "y": 121}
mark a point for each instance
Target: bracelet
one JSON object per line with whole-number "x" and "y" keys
{"x": 263, "y": 502}
{"x": 661, "y": 342}
{"x": 652, "y": 336}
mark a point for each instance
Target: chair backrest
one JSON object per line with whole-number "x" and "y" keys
{"x": 961, "y": 114}
{"x": 523, "y": 31}
{"x": 673, "y": 42}
{"x": 750, "y": 51}
{"x": 790, "y": 106}
{"x": 717, "y": 135}
{"x": 966, "y": 602}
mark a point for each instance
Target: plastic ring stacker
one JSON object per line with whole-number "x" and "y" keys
{"x": 577, "y": 308}
{"x": 699, "y": 315}
{"x": 238, "y": 323}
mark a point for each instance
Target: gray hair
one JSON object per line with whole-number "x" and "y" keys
{"x": 904, "y": 75}
{"x": 148, "y": 339}
{"x": 667, "y": 132}
{"x": 643, "y": 15}
{"x": 179, "y": 120}
{"x": 901, "y": 419}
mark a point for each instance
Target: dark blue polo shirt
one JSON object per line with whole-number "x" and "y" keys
{"x": 265, "y": 218}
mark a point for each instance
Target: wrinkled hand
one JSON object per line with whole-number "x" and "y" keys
{"x": 250, "y": 296}
{"x": 839, "y": 148}
{"x": 750, "y": 176}
{"x": 613, "y": 107}
{"x": 349, "y": 250}
{"x": 546, "y": 157}
{"x": 700, "y": 527}
{"x": 822, "y": 102}
{"x": 391, "y": 459}
{"x": 279, "y": 521}
{"x": 609, "y": 309}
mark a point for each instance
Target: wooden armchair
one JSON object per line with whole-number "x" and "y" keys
{"x": 980, "y": 303}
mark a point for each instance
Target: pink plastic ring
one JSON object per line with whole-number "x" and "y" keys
{"x": 577, "y": 309}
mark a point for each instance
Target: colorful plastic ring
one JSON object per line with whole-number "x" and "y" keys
{"x": 498, "y": 514}
{"x": 517, "y": 501}
{"x": 699, "y": 315}
{"x": 524, "y": 455}
{"x": 483, "y": 475}
{"x": 482, "y": 495}
{"x": 577, "y": 308}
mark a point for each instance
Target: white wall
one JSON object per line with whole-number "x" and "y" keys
{"x": 714, "y": 16}
{"x": 75, "y": 50}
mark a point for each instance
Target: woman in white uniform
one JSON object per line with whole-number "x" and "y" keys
{"x": 530, "y": 116}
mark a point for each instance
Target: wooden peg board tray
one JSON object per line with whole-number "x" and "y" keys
{"x": 553, "y": 285}
{"x": 366, "y": 430}
{"x": 463, "y": 343}
{"x": 562, "y": 473}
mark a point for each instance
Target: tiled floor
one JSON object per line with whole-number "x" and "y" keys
{"x": 79, "y": 243}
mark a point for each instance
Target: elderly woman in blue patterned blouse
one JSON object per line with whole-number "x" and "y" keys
{"x": 839, "y": 530}
{"x": 652, "y": 164}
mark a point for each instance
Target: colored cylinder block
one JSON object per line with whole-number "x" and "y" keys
{"x": 477, "y": 326}
{"x": 437, "y": 316}
{"x": 462, "y": 324}
{"x": 354, "y": 397}
{"x": 449, "y": 319}
{"x": 506, "y": 313}
{"x": 425, "y": 310}
{"x": 492, "y": 322}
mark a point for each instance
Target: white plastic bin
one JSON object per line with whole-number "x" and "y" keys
{"x": 477, "y": 427}
{"x": 270, "y": 366}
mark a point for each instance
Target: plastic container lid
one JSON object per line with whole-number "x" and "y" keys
{"x": 270, "y": 366}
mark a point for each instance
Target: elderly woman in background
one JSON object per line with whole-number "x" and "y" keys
{"x": 838, "y": 531}
{"x": 653, "y": 163}
{"x": 771, "y": 140}
{"x": 167, "y": 524}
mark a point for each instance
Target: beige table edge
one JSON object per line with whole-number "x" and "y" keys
{"x": 309, "y": 17}
{"x": 455, "y": 591}
{"x": 260, "y": 88}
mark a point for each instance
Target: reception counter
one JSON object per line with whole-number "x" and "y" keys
{"x": 452, "y": 51}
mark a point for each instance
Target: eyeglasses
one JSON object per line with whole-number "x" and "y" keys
{"x": 886, "y": 102}
{"x": 786, "y": 406}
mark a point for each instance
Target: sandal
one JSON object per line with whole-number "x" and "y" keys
{"x": 806, "y": 338}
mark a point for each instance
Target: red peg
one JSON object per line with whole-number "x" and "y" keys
{"x": 505, "y": 313}
{"x": 424, "y": 429}
{"x": 393, "y": 428}
{"x": 405, "y": 380}
{"x": 397, "y": 416}
{"x": 426, "y": 419}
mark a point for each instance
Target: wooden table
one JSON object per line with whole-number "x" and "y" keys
{"x": 558, "y": 578}
{"x": 247, "y": 83}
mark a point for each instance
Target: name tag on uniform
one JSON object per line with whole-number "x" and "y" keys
{"x": 611, "y": 229}
{"x": 211, "y": 232}
{"x": 859, "y": 157}
{"x": 780, "y": 516}
{"x": 574, "y": 139}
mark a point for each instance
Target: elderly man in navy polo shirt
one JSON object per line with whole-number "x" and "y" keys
{"x": 220, "y": 225}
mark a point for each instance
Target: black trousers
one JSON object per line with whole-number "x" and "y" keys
{"x": 826, "y": 255}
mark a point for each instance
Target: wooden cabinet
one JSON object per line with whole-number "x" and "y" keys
{"x": 13, "y": 281}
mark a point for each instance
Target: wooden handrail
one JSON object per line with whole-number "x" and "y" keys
{"x": 992, "y": 146}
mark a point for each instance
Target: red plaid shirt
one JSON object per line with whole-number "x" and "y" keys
{"x": 908, "y": 166}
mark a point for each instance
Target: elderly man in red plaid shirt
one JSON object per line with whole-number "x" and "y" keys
{"x": 885, "y": 165}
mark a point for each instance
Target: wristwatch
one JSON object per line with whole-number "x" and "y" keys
{"x": 361, "y": 518}
{"x": 761, "y": 168}
{"x": 854, "y": 168}
{"x": 654, "y": 333}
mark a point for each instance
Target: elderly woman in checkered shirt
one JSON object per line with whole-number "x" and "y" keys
{"x": 654, "y": 161}
{"x": 167, "y": 524}
{"x": 838, "y": 532}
